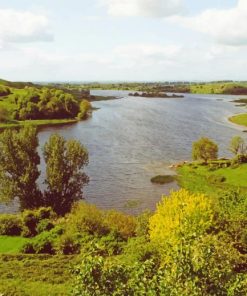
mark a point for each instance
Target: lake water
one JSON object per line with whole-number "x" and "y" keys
{"x": 133, "y": 139}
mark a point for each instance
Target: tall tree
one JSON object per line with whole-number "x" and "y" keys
{"x": 204, "y": 149}
{"x": 64, "y": 176}
{"x": 19, "y": 172}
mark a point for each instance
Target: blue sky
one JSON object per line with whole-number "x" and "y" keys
{"x": 105, "y": 40}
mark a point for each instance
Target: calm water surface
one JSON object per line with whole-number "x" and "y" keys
{"x": 133, "y": 139}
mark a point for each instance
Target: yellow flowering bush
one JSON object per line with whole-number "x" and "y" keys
{"x": 180, "y": 216}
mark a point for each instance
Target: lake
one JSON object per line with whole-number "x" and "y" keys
{"x": 133, "y": 139}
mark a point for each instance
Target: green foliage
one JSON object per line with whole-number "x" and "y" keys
{"x": 237, "y": 145}
{"x": 94, "y": 278}
{"x": 64, "y": 176}
{"x": 120, "y": 223}
{"x": 4, "y": 114}
{"x": 18, "y": 166}
{"x": 204, "y": 149}
{"x": 86, "y": 218}
{"x": 37, "y": 221}
{"x": 43, "y": 243}
{"x": 142, "y": 227}
{"x": 44, "y": 225}
{"x": 45, "y": 103}
{"x": 85, "y": 106}
{"x": 39, "y": 275}
{"x": 182, "y": 215}
{"x": 68, "y": 244}
{"x": 10, "y": 225}
{"x": 239, "y": 159}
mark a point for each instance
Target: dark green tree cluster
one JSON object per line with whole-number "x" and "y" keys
{"x": 45, "y": 103}
{"x": 19, "y": 173}
{"x": 4, "y": 91}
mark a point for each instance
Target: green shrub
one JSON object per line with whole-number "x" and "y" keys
{"x": 124, "y": 225}
{"x": 44, "y": 243}
{"x": 142, "y": 227}
{"x": 239, "y": 159}
{"x": 30, "y": 220}
{"x": 68, "y": 245}
{"x": 45, "y": 213}
{"x": 216, "y": 179}
{"x": 44, "y": 225}
{"x": 86, "y": 218}
{"x": 28, "y": 248}
{"x": 10, "y": 224}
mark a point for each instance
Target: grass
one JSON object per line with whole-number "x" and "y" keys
{"x": 162, "y": 179}
{"x": 38, "y": 123}
{"x": 219, "y": 88}
{"x": 240, "y": 119}
{"x": 11, "y": 244}
{"x": 38, "y": 275}
{"x": 199, "y": 178}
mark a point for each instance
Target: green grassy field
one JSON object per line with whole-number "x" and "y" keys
{"x": 240, "y": 119}
{"x": 38, "y": 123}
{"x": 198, "y": 178}
{"x": 11, "y": 244}
{"x": 39, "y": 275}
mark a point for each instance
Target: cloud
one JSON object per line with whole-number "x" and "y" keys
{"x": 226, "y": 26}
{"x": 142, "y": 55}
{"x": 148, "y": 8}
{"x": 23, "y": 26}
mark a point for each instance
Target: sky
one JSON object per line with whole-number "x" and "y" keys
{"x": 123, "y": 40}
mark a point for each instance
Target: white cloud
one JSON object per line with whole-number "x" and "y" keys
{"x": 226, "y": 26}
{"x": 23, "y": 26}
{"x": 149, "y": 8}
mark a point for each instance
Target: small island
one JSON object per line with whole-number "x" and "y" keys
{"x": 154, "y": 95}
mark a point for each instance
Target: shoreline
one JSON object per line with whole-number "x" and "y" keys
{"x": 38, "y": 123}
{"x": 239, "y": 119}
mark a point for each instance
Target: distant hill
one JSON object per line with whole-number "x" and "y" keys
{"x": 17, "y": 84}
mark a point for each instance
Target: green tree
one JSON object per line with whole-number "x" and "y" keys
{"x": 65, "y": 178}
{"x": 204, "y": 149}
{"x": 237, "y": 145}
{"x": 19, "y": 172}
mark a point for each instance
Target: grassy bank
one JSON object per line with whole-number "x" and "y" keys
{"x": 201, "y": 178}
{"x": 38, "y": 123}
{"x": 36, "y": 274}
{"x": 240, "y": 119}
{"x": 11, "y": 244}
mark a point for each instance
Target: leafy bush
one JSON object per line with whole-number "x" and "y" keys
{"x": 43, "y": 243}
{"x": 46, "y": 213}
{"x": 30, "y": 220}
{"x": 182, "y": 215}
{"x": 239, "y": 159}
{"x": 37, "y": 221}
{"x": 68, "y": 245}
{"x": 121, "y": 223}
{"x": 44, "y": 225}
{"x": 10, "y": 224}
{"x": 142, "y": 227}
{"x": 86, "y": 218}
